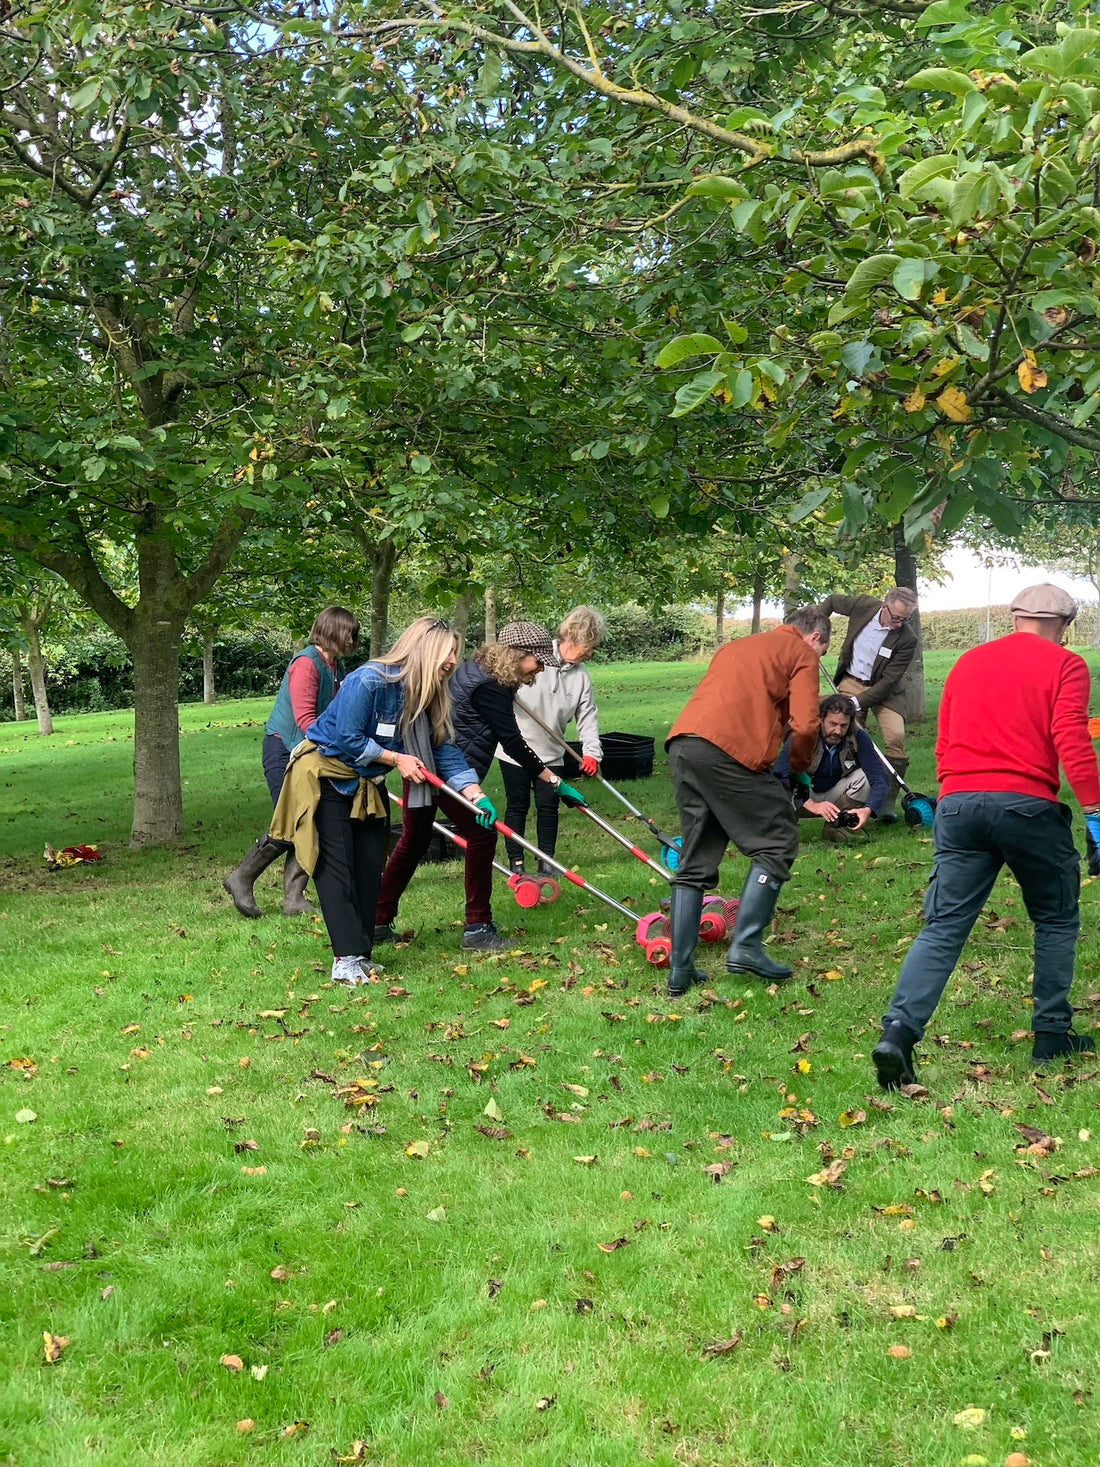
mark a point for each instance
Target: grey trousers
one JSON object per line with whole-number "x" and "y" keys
{"x": 721, "y": 801}
{"x": 975, "y": 835}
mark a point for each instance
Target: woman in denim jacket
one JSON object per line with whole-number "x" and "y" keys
{"x": 392, "y": 713}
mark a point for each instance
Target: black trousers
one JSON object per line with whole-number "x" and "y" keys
{"x": 518, "y": 785}
{"x": 349, "y": 871}
{"x": 722, "y": 801}
{"x": 275, "y": 756}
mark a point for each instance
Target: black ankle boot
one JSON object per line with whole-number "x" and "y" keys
{"x": 754, "y": 914}
{"x": 686, "y": 909}
{"x": 1052, "y": 1043}
{"x": 893, "y": 1057}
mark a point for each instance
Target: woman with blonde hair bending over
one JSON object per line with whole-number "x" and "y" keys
{"x": 484, "y": 715}
{"x": 394, "y": 712}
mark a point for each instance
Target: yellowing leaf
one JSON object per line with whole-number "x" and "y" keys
{"x": 536, "y": 984}
{"x": 945, "y": 365}
{"x": 904, "y": 1311}
{"x": 804, "y": 1066}
{"x": 852, "y": 1118}
{"x": 418, "y": 1150}
{"x": 768, "y": 1223}
{"x": 53, "y": 1345}
{"x": 493, "y": 1111}
{"x": 437, "y": 1214}
{"x": 1030, "y": 374}
{"x": 26, "y": 1117}
{"x": 953, "y": 404}
{"x": 834, "y": 975}
{"x": 915, "y": 401}
{"x": 586, "y": 1160}
{"x": 575, "y": 1090}
{"x": 970, "y": 1419}
{"x": 232, "y": 1362}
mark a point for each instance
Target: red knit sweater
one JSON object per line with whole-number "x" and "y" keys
{"x": 1011, "y": 711}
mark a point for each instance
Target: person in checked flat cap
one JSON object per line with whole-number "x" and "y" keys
{"x": 1012, "y": 712}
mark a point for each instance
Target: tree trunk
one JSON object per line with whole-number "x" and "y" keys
{"x": 757, "y": 599}
{"x": 17, "y": 686}
{"x": 158, "y": 794}
{"x": 209, "y": 694}
{"x": 385, "y": 553}
{"x": 792, "y": 582}
{"x": 719, "y": 618}
{"x": 461, "y": 619}
{"x": 905, "y": 574}
{"x": 490, "y": 613}
{"x": 36, "y": 666}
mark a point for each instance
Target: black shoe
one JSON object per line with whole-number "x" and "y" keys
{"x": 754, "y": 914}
{"x": 893, "y": 1057}
{"x": 686, "y": 908}
{"x": 386, "y": 933}
{"x": 482, "y": 937}
{"x": 516, "y": 866}
{"x": 1051, "y": 1043}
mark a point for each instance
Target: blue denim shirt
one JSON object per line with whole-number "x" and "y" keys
{"x": 364, "y": 718}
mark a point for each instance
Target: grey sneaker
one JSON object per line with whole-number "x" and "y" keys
{"x": 483, "y": 937}
{"x": 354, "y": 971}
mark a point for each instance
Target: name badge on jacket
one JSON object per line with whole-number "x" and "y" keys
{"x": 385, "y": 730}
{"x": 886, "y": 651}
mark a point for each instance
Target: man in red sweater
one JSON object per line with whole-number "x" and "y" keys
{"x": 720, "y": 751}
{"x": 1011, "y": 712}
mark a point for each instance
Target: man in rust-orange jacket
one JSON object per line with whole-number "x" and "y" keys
{"x": 721, "y": 750}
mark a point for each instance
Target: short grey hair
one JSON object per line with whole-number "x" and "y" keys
{"x": 583, "y": 625}
{"x": 901, "y": 596}
{"x": 810, "y": 619}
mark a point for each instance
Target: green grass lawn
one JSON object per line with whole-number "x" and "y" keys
{"x": 196, "y": 1186}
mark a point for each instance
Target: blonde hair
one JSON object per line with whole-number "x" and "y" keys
{"x": 503, "y": 664}
{"x": 583, "y": 625}
{"x": 417, "y": 659}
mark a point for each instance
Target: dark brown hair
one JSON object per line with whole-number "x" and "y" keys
{"x": 335, "y": 631}
{"x": 837, "y": 703}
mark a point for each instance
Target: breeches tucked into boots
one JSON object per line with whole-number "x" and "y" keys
{"x": 722, "y": 801}
{"x": 976, "y": 834}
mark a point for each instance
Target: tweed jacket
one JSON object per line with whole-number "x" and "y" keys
{"x": 887, "y": 686}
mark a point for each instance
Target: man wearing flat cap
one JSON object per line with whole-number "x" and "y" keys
{"x": 1012, "y": 712}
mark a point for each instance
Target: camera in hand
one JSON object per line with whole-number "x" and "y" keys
{"x": 847, "y": 820}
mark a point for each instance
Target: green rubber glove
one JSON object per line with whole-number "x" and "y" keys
{"x": 570, "y": 796}
{"x": 487, "y": 813}
{"x": 802, "y": 782}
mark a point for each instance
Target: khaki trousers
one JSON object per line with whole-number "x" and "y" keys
{"x": 891, "y": 724}
{"x": 850, "y": 793}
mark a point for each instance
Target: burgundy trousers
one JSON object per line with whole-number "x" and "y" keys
{"x": 416, "y": 834}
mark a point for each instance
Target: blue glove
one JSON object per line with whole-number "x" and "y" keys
{"x": 487, "y": 813}
{"x": 569, "y": 796}
{"x": 1092, "y": 825}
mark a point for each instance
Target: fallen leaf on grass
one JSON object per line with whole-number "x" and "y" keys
{"x": 418, "y": 1150}
{"x": 246, "y": 1425}
{"x": 495, "y": 1286}
{"x": 718, "y": 1169}
{"x": 358, "y": 1453}
{"x": 970, "y": 1419}
{"x": 898, "y": 1352}
{"x": 545, "y": 1402}
{"x": 333, "y": 1337}
{"x": 58, "y": 1266}
{"x": 904, "y": 1311}
{"x": 280, "y": 1273}
{"x": 296, "y": 1428}
{"x": 106, "y": 1293}
{"x": 232, "y": 1362}
{"x": 130, "y": 1029}
{"x": 721, "y": 1347}
{"x": 586, "y": 1160}
{"x": 258, "y": 1371}
{"x": 783, "y": 1271}
{"x": 768, "y": 1223}
{"x": 437, "y": 1215}
{"x": 614, "y": 1245}
{"x": 830, "y": 1176}
{"x": 493, "y": 1111}
{"x": 914, "y": 1092}
{"x": 250, "y": 1145}
{"x": 26, "y": 1117}
{"x": 580, "y": 1090}
{"x": 254, "y": 1171}
{"x": 1017, "y": 1459}
{"x": 441, "y": 1401}
{"x": 852, "y": 1118}
{"x": 53, "y": 1345}
{"x": 28, "y": 1067}
{"x": 496, "y": 1133}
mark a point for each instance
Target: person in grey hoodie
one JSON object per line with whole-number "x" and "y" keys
{"x": 557, "y": 697}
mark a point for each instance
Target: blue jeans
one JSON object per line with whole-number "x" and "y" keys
{"x": 975, "y": 835}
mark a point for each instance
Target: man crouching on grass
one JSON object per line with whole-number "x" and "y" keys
{"x": 1011, "y": 712}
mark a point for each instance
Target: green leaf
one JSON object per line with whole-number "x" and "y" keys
{"x": 94, "y": 467}
{"x": 696, "y": 391}
{"x": 740, "y": 385}
{"x": 716, "y": 186}
{"x": 681, "y": 347}
{"x": 867, "y": 275}
{"x": 920, "y": 173}
{"x": 959, "y": 508}
{"x": 659, "y": 506}
{"x": 488, "y": 78}
{"x": 941, "y": 79}
{"x": 966, "y": 200}
{"x": 856, "y": 356}
{"x": 84, "y": 96}
{"x": 855, "y": 507}
{"x": 910, "y": 276}
{"x": 942, "y": 12}
{"x": 808, "y": 503}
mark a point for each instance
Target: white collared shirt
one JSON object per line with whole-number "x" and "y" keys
{"x": 866, "y": 648}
